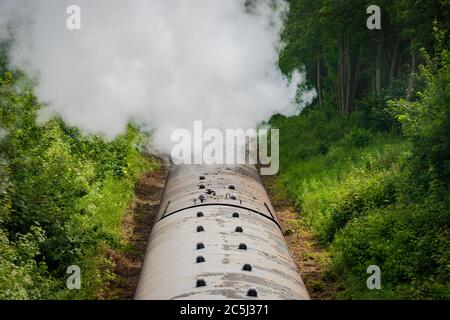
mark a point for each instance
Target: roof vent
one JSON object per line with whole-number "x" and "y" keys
{"x": 231, "y": 187}
{"x": 199, "y": 214}
{"x": 200, "y": 229}
{"x": 242, "y": 246}
{"x": 235, "y": 214}
{"x": 202, "y": 178}
{"x": 201, "y": 186}
{"x": 201, "y": 259}
{"x": 238, "y": 229}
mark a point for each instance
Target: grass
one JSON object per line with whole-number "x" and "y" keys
{"x": 314, "y": 182}
{"x": 347, "y": 189}
{"x": 350, "y": 190}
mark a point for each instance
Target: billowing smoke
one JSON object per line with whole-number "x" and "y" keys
{"x": 159, "y": 63}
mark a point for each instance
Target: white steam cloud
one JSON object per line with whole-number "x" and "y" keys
{"x": 158, "y": 63}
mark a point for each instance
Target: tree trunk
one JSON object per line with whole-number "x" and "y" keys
{"x": 374, "y": 66}
{"x": 341, "y": 84}
{"x": 356, "y": 74}
{"x": 378, "y": 64}
{"x": 392, "y": 71}
{"x": 398, "y": 70}
{"x": 348, "y": 74}
{"x": 412, "y": 77}
{"x": 319, "y": 85}
{"x": 345, "y": 79}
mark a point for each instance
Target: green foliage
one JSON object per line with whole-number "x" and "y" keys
{"x": 426, "y": 122}
{"x": 21, "y": 276}
{"x": 5, "y": 193}
{"x": 62, "y": 198}
{"x": 373, "y": 185}
{"x": 356, "y": 199}
{"x": 359, "y": 138}
{"x": 409, "y": 245}
{"x": 316, "y": 30}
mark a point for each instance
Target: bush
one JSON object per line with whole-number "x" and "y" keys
{"x": 410, "y": 244}
{"x": 377, "y": 199}
{"x": 359, "y": 138}
{"x": 426, "y": 123}
{"x": 357, "y": 195}
{"x": 21, "y": 276}
{"x": 62, "y": 198}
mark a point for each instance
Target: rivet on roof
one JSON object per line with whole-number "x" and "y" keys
{"x": 247, "y": 267}
{"x": 201, "y": 283}
{"x": 252, "y": 293}
{"x": 242, "y": 246}
{"x": 200, "y": 245}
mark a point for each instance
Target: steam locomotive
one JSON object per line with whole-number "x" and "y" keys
{"x": 217, "y": 237}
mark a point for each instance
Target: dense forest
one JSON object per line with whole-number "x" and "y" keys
{"x": 368, "y": 163}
